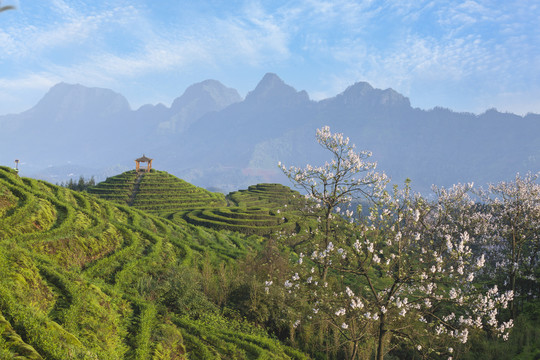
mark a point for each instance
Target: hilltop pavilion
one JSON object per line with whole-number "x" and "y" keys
{"x": 143, "y": 159}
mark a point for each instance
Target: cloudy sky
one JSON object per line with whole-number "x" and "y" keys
{"x": 463, "y": 55}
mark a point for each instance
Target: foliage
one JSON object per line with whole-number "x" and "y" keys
{"x": 81, "y": 185}
{"x": 511, "y": 236}
{"x": 84, "y": 278}
{"x": 402, "y": 276}
{"x": 337, "y": 182}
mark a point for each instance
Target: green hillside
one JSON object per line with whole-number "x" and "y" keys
{"x": 155, "y": 192}
{"x": 270, "y": 195}
{"x": 261, "y": 209}
{"x": 84, "y": 278}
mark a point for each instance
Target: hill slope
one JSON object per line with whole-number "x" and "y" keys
{"x": 84, "y": 278}
{"x": 156, "y": 192}
{"x": 261, "y": 209}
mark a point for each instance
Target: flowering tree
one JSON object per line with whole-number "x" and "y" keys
{"x": 511, "y": 239}
{"x": 346, "y": 177}
{"x": 404, "y": 275}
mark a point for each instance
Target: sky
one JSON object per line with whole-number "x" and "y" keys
{"x": 464, "y": 55}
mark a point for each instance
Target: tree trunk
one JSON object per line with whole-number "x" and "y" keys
{"x": 326, "y": 241}
{"x": 325, "y": 272}
{"x": 382, "y": 332}
{"x": 512, "y": 306}
{"x": 513, "y": 274}
{"x": 355, "y": 350}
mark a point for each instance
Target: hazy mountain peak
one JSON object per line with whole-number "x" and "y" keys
{"x": 68, "y": 101}
{"x": 392, "y": 97}
{"x": 275, "y": 123}
{"x": 211, "y": 90}
{"x": 362, "y": 93}
{"x": 271, "y": 80}
{"x": 198, "y": 100}
{"x": 359, "y": 88}
{"x": 272, "y": 88}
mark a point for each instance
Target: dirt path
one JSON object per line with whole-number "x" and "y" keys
{"x": 135, "y": 189}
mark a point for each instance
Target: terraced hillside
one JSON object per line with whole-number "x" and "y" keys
{"x": 261, "y": 209}
{"x": 156, "y": 192}
{"x": 269, "y": 195}
{"x": 84, "y": 278}
{"x": 118, "y": 188}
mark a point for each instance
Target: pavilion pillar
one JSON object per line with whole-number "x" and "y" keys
{"x": 143, "y": 159}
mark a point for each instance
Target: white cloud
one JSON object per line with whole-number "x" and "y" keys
{"x": 224, "y": 41}
{"x": 19, "y": 93}
{"x": 64, "y": 9}
{"x": 326, "y": 17}
{"x": 70, "y": 29}
{"x": 32, "y": 81}
{"x": 397, "y": 44}
{"x": 253, "y": 38}
{"x": 8, "y": 45}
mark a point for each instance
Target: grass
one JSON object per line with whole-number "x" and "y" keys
{"x": 83, "y": 277}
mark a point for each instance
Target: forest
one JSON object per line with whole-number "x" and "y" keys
{"x": 342, "y": 265}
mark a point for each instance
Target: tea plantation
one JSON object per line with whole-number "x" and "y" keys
{"x": 156, "y": 191}
{"x": 260, "y": 210}
{"x": 86, "y": 278}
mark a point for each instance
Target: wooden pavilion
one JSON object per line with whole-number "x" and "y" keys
{"x": 143, "y": 159}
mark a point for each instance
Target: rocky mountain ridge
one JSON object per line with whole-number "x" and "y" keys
{"x": 212, "y": 137}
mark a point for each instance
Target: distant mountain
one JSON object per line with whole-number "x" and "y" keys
{"x": 229, "y": 137}
{"x": 364, "y": 95}
{"x": 65, "y": 103}
{"x": 198, "y": 100}
{"x": 212, "y": 138}
{"x": 70, "y": 124}
{"x": 96, "y": 128}
{"x": 272, "y": 90}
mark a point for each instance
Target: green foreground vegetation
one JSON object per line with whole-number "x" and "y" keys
{"x": 147, "y": 266}
{"x": 84, "y": 278}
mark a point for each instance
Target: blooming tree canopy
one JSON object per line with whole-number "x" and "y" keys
{"x": 511, "y": 238}
{"x": 346, "y": 177}
{"x": 402, "y": 275}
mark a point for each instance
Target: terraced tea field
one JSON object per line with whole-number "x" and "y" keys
{"x": 156, "y": 192}
{"x": 85, "y": 278}
{"x": 261, "y": 209}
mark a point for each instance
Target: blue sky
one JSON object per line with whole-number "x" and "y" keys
{"x": 463, "y": 55}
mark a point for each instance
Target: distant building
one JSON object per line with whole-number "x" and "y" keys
{"x": 143, "y": 160}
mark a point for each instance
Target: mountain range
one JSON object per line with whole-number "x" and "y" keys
{"x": 212, "y": 137}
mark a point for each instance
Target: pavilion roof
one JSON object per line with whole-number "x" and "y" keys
{"x": 144, "y": 159}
